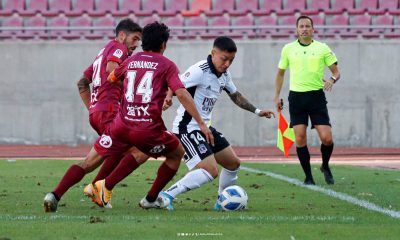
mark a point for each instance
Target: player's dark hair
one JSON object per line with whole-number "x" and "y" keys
{"x": 154, "y": 35}
{"x": 225, "y": 43}
{"x": 127, "y": 25}
{"x": 304, "y": 17}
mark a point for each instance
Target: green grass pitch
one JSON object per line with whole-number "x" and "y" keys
{"x": 277, "y": 209}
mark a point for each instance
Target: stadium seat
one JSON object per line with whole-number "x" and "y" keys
{"x": 393, "y": 34}
{"x": 108, "y": 32}
{"x": 316, "y": 6}
{"x": 221, "y": 21}
{"x": 103, "y": 7}
{"x": 340, "y": 6}
{"x": 12, "y": 6}
{"x": 243, "y": 22}
{"x": 81, "y": 6}
{"x": 35, "y": 21}
{"x": 360, "y": 20}
{"x": 339, "y": 23}
{"x": 148, "y": 20}
{"x": 127, "y": 6}
{"x": 198, "y": 21}
{"x": 198, "y": 6}
{"x": 176, "y": 21}
{"x": 82, "y": 21}
{"x": 293, "y": 6}
{"x": 268, "y": 6}
{"x": 59, "y": 21}
{"x": 264, "y": 22}
{"x": 244, "y": 7}
{"x": 395, "y": 9}
{"x": 385, "y": 6}
{"x": 221, "y": 7}
{"x": 364, "y": 6}
{"x": 174, "y": 7}
{"x": 150, "y": 7}
{"x": 33, "y": 7}
{"x": 381, "y": 20}
{"x": 13, "y": 21}
{"x": 56, "y": 7}
{"x": 289, "y": 22}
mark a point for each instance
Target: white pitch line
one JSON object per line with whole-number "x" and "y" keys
{"x": 329, "y": 192}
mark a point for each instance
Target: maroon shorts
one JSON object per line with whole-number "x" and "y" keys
{"x": 118, "y": 138}
{"x": 100, "y": 120}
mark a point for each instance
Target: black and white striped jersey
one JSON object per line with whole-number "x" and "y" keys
{"x": 205, "y": 87}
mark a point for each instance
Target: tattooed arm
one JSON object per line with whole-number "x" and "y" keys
{"x": 84, "y": 90}
{"x": 242, "y": 102}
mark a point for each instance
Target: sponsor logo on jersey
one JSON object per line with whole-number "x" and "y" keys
{"x": 208, "y": 104}
{"x": 118, "y": 53}
{"x": 157, "y": 149}
{"x": 202, "y": 148}
{"x": 105, "y": 141}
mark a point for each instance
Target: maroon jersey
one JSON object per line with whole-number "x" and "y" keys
{"x": 105, "y": 96}
{"x": 147, "y": 76}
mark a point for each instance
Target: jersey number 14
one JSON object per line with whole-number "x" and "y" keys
{"x": 144, "y": 88}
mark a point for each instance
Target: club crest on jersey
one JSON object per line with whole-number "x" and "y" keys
{"x": 118, "y": 53}
{"x": 105, "y": 141}
{"x": 187, "y": 74}
{"x": 202, "y": 148}
{"x": 157, "y": 149}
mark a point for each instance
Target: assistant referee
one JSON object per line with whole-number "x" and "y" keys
{"x": 307, "y": 59}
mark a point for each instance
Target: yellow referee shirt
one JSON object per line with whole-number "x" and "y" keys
{"x": 307, "y": 64}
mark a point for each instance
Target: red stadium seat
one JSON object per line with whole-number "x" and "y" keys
{"x": 221, "y": 21}
{"x": 56, "y": 7}
{"x": 198, "y": 21}
{"x": 59, "y": 21}
{"x": 150, "y": 7}
{"x": 245, "y": 21}
{"x": 340, "y": 22}
{"x": 244, "y": 7}
{"x": 361, "y": 20}
{"x": 13, "y": 21}
{"x": 174, "y": 7}
{"x": 382, "y": 20}
{"x": 12, "y": 6}
{"x": 108, "y": 32}
{"x": 128, "y": 6}
{"x": 198, "y": 6}
{"x": 365, "y": 6}
{"x": 394, "y": 34}
{"x": 268, "y": 6}
{"x": 176, "y": 21}
{"x": 148, "y": 20}
{"x": 103, "y": 7}
{"x": 293, "y": 6}
{"x": 34, "y": 6}
{"x": 395, "y": 10}
{"x": 81, "y": 6}
{"x": 221, "y": 7}
{"x": 82, "y": 21}
{"x": 289, "y": 22}
{"x": 340, "y": 6}
{"x": 266, "y": 21}
{"x": 36, "y": 21}
{"x": 317, "y": 6}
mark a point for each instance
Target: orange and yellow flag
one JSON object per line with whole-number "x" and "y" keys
{"x": 285, "y": 137}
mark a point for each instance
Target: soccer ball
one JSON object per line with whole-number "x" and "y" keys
{"x": 233, "y": 198}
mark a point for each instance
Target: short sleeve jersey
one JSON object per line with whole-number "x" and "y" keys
{"x": 147, "y": 76}
{"x": 205, "y": 86}
{"x": 307, "y": 64}
{"x": 105, "y": 96}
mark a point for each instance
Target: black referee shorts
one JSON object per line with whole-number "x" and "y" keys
{"x": 308, "y": 104}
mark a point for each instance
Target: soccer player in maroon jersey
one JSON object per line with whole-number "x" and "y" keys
{"x": 102, "y": 103}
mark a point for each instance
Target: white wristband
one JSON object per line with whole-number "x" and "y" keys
{"x": 257, "y": 111}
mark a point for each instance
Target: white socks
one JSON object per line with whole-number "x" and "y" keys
{"x": 227, "y": 178}
{"x": 192, "y": 180}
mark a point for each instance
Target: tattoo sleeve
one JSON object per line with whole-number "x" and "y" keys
{"x": 242, "y": 102}
{"x": 83, "y": 84}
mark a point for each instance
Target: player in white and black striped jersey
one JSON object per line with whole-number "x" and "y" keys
{"x": 205, "y": 81}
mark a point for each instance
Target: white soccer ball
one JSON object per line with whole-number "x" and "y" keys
{"x": 233, "y": 198}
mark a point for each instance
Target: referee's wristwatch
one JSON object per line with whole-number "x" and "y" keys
{"x": 334, "y": 79}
